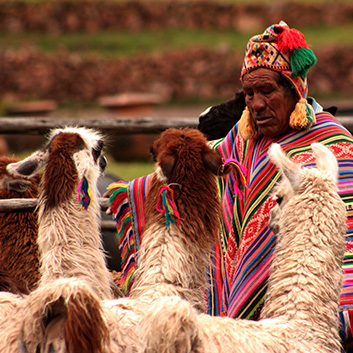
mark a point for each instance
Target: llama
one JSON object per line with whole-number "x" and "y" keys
{"x": 64, "y": 315}
{"x": 11, "y": 284}
{"x": 217, "y": 120}
{"x": 69, "y": 236}
{"x": 182, "y": 157}
{"x": 175, "y": 248}
{"x": 300, "y": 313}
{"x": 19, "y": 255}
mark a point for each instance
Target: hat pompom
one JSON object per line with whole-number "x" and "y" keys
{"x": 301, "y": 61}
{"x": 290, "y": 39}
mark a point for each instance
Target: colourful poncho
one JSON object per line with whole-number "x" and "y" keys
{"x": 241, "y": 267}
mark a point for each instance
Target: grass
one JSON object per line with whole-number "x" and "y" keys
{"x": 129, "y": 170}
{"x": 127, "y": 44}
{"x": 123, "y": 44}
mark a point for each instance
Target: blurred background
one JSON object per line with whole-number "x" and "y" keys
{"x": 166, "y": 58}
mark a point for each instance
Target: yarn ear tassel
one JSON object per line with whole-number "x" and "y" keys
{"x": 303, "y": 116}
{"x": 240, "y": 173}
{"x": 84, "y": 193}
{"x": 246, "y": 125}
{"x": 166, "y": 204}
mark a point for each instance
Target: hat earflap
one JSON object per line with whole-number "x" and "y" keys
{"x": 303, "y": 116}
{"x": 246, "y": 125}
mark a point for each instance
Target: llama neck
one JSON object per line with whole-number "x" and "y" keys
{"x": 173, "y": 260}
{"x": 306, "y": 273}
{"x": 70, "y": 244}
{"x": 169, "y": 266}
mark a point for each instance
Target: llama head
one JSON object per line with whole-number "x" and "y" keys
{"x": 63, "y": 316}
{"x": 216, "y": 121}
{"x": 70, "y": 154}
{"x": 188, "y": 146}
{"x": 295, "y": 176}
{"x": 15, "y": 186}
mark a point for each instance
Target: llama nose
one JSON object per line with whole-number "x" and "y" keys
{"x": 102, "y": 163}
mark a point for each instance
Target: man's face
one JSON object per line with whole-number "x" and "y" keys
{"x": 269, "y": 103}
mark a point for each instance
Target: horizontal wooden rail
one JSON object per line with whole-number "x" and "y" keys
{"x": 28, "y": 205}
{"x": 145, "y": 125}
{"x": 40, "y": 125}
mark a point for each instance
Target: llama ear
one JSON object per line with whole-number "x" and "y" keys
{"x": 213, "y": 161}
{"x": 325, "y": 159}
{"x": 31, "y": 165}
{"x": 166, "y": 163}
{"x": 289, "y": 169}
{"x": 18, "y": 185}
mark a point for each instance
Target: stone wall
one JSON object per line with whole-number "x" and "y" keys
{"x": 96, "y": 15}
{"x": 190, "y": 74}
{"x": 180, "y": 75}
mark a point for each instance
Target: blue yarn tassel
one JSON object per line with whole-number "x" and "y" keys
{"x": 84, "y": 193}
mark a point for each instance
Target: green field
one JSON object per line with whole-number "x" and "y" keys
{"x": 129, "y": 170}
{"x": 125, "y": 44}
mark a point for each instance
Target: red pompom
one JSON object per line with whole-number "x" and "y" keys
{"x": 290, "y": 39}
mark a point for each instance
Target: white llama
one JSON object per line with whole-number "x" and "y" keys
{"x": 301, "y": 306}
{"x": 69, "y": 238}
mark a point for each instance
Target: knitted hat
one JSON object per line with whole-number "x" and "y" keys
{"x": 284, "y": 50}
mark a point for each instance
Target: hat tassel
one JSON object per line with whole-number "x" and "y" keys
{"x": 247, "y": 128}
{"x": 303, "y": 115}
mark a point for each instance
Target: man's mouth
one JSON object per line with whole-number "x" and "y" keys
{"x": 262, "y": 120}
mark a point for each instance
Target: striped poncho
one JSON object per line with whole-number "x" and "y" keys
{"x": 241, "y": 267}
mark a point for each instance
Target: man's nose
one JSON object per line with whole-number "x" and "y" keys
{"x": 258, "y": 103}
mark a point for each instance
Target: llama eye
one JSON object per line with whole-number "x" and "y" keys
{"x": 96, "y": 151}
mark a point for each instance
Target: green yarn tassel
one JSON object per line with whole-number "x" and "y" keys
{"x": 301, "y": 60}
{"x": 310, "y": 114}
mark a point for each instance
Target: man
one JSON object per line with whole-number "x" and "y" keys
{"x": 275, "y": 86}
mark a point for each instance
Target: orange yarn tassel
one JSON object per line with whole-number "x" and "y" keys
{"x": 302, "y": 116}
{"x": 247, "y": 128}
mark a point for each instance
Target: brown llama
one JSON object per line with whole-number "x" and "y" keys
{"x": 19, "y": 255}
{"x": 300, "y": 313}
{"x": 175, "y": 248}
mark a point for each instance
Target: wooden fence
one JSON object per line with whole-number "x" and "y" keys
{"x": 42, "y": 125}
